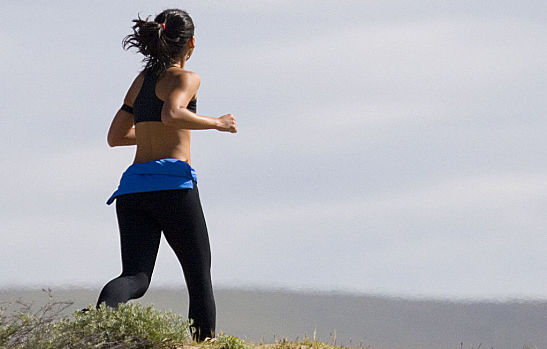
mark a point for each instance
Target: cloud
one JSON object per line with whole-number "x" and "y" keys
{"x": 382, "y": 145}
{"x": 441, "y": 199}
{"x": 458, "y": 237}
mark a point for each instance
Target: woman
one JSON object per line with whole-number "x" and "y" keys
{"x": 159, "y": 192}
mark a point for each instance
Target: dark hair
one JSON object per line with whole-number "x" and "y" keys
{"x": 160, "y": 47}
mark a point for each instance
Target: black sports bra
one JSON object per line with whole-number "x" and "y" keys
{"x": 147, "y": 106}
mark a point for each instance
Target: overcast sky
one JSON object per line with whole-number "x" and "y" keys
{"x": 393, "y": 147}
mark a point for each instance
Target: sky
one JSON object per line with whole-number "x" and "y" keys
{"x": 383, "y": 147}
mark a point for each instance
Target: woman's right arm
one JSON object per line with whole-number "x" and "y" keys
{"x": 174, "y": 113}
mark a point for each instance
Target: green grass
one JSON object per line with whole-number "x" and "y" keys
{"x": 131, "y": 325}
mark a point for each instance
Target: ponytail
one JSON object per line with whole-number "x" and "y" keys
{"x": 162, "y": 40}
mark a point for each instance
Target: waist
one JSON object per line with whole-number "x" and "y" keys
{"x": 164, "y": 166}
{"x": 162, "y": 160}
{"x": 154, "y": 142}
{"x": 162, "y": 174}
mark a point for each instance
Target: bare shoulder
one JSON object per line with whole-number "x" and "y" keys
{"x": 134, "y": 90}
{"x": 183, "y": 77}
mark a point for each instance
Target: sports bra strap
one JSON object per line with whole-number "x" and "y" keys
{"x": 127, "y": 108}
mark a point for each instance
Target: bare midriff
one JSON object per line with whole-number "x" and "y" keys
{"x": 156, "y": 141}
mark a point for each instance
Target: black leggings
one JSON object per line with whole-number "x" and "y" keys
{"x": 141, "y": 219}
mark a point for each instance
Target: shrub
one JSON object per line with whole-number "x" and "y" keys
{"x": 130, "y": 325}
{"x": 230, "y": 342}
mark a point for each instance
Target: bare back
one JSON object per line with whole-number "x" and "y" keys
{"x": 155, "y": 140}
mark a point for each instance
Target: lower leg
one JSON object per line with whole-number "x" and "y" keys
{"x": 202, "y": 311}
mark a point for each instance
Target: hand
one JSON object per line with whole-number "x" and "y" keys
{"x": 227, "y": 123}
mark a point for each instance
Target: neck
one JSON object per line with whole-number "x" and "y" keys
{"x": 182, "y": 60}
{"x": 178, "y": 65}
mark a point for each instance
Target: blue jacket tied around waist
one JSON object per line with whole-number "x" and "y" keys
{"x": 155, "y": 175}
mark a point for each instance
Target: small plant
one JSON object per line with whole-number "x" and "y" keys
{"x": 25, "y": 329}
{"x": 130, "y": 325}
{"x": 230, "y": 342}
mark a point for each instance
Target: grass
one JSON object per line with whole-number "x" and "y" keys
{"x": 131, "y": 325}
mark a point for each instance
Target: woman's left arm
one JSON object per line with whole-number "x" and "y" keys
{"x": 121, "y": 130}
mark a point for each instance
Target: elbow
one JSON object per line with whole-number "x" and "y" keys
{"x": 111, "y": 141}
{"x": 166, "y": 117}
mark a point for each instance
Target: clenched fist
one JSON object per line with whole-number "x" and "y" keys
{"x": 227, "y": 123}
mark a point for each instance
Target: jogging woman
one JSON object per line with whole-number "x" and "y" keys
{"x": 159, "y": 191}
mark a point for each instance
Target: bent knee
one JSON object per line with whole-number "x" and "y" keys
{"x": 139, "y": 282}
